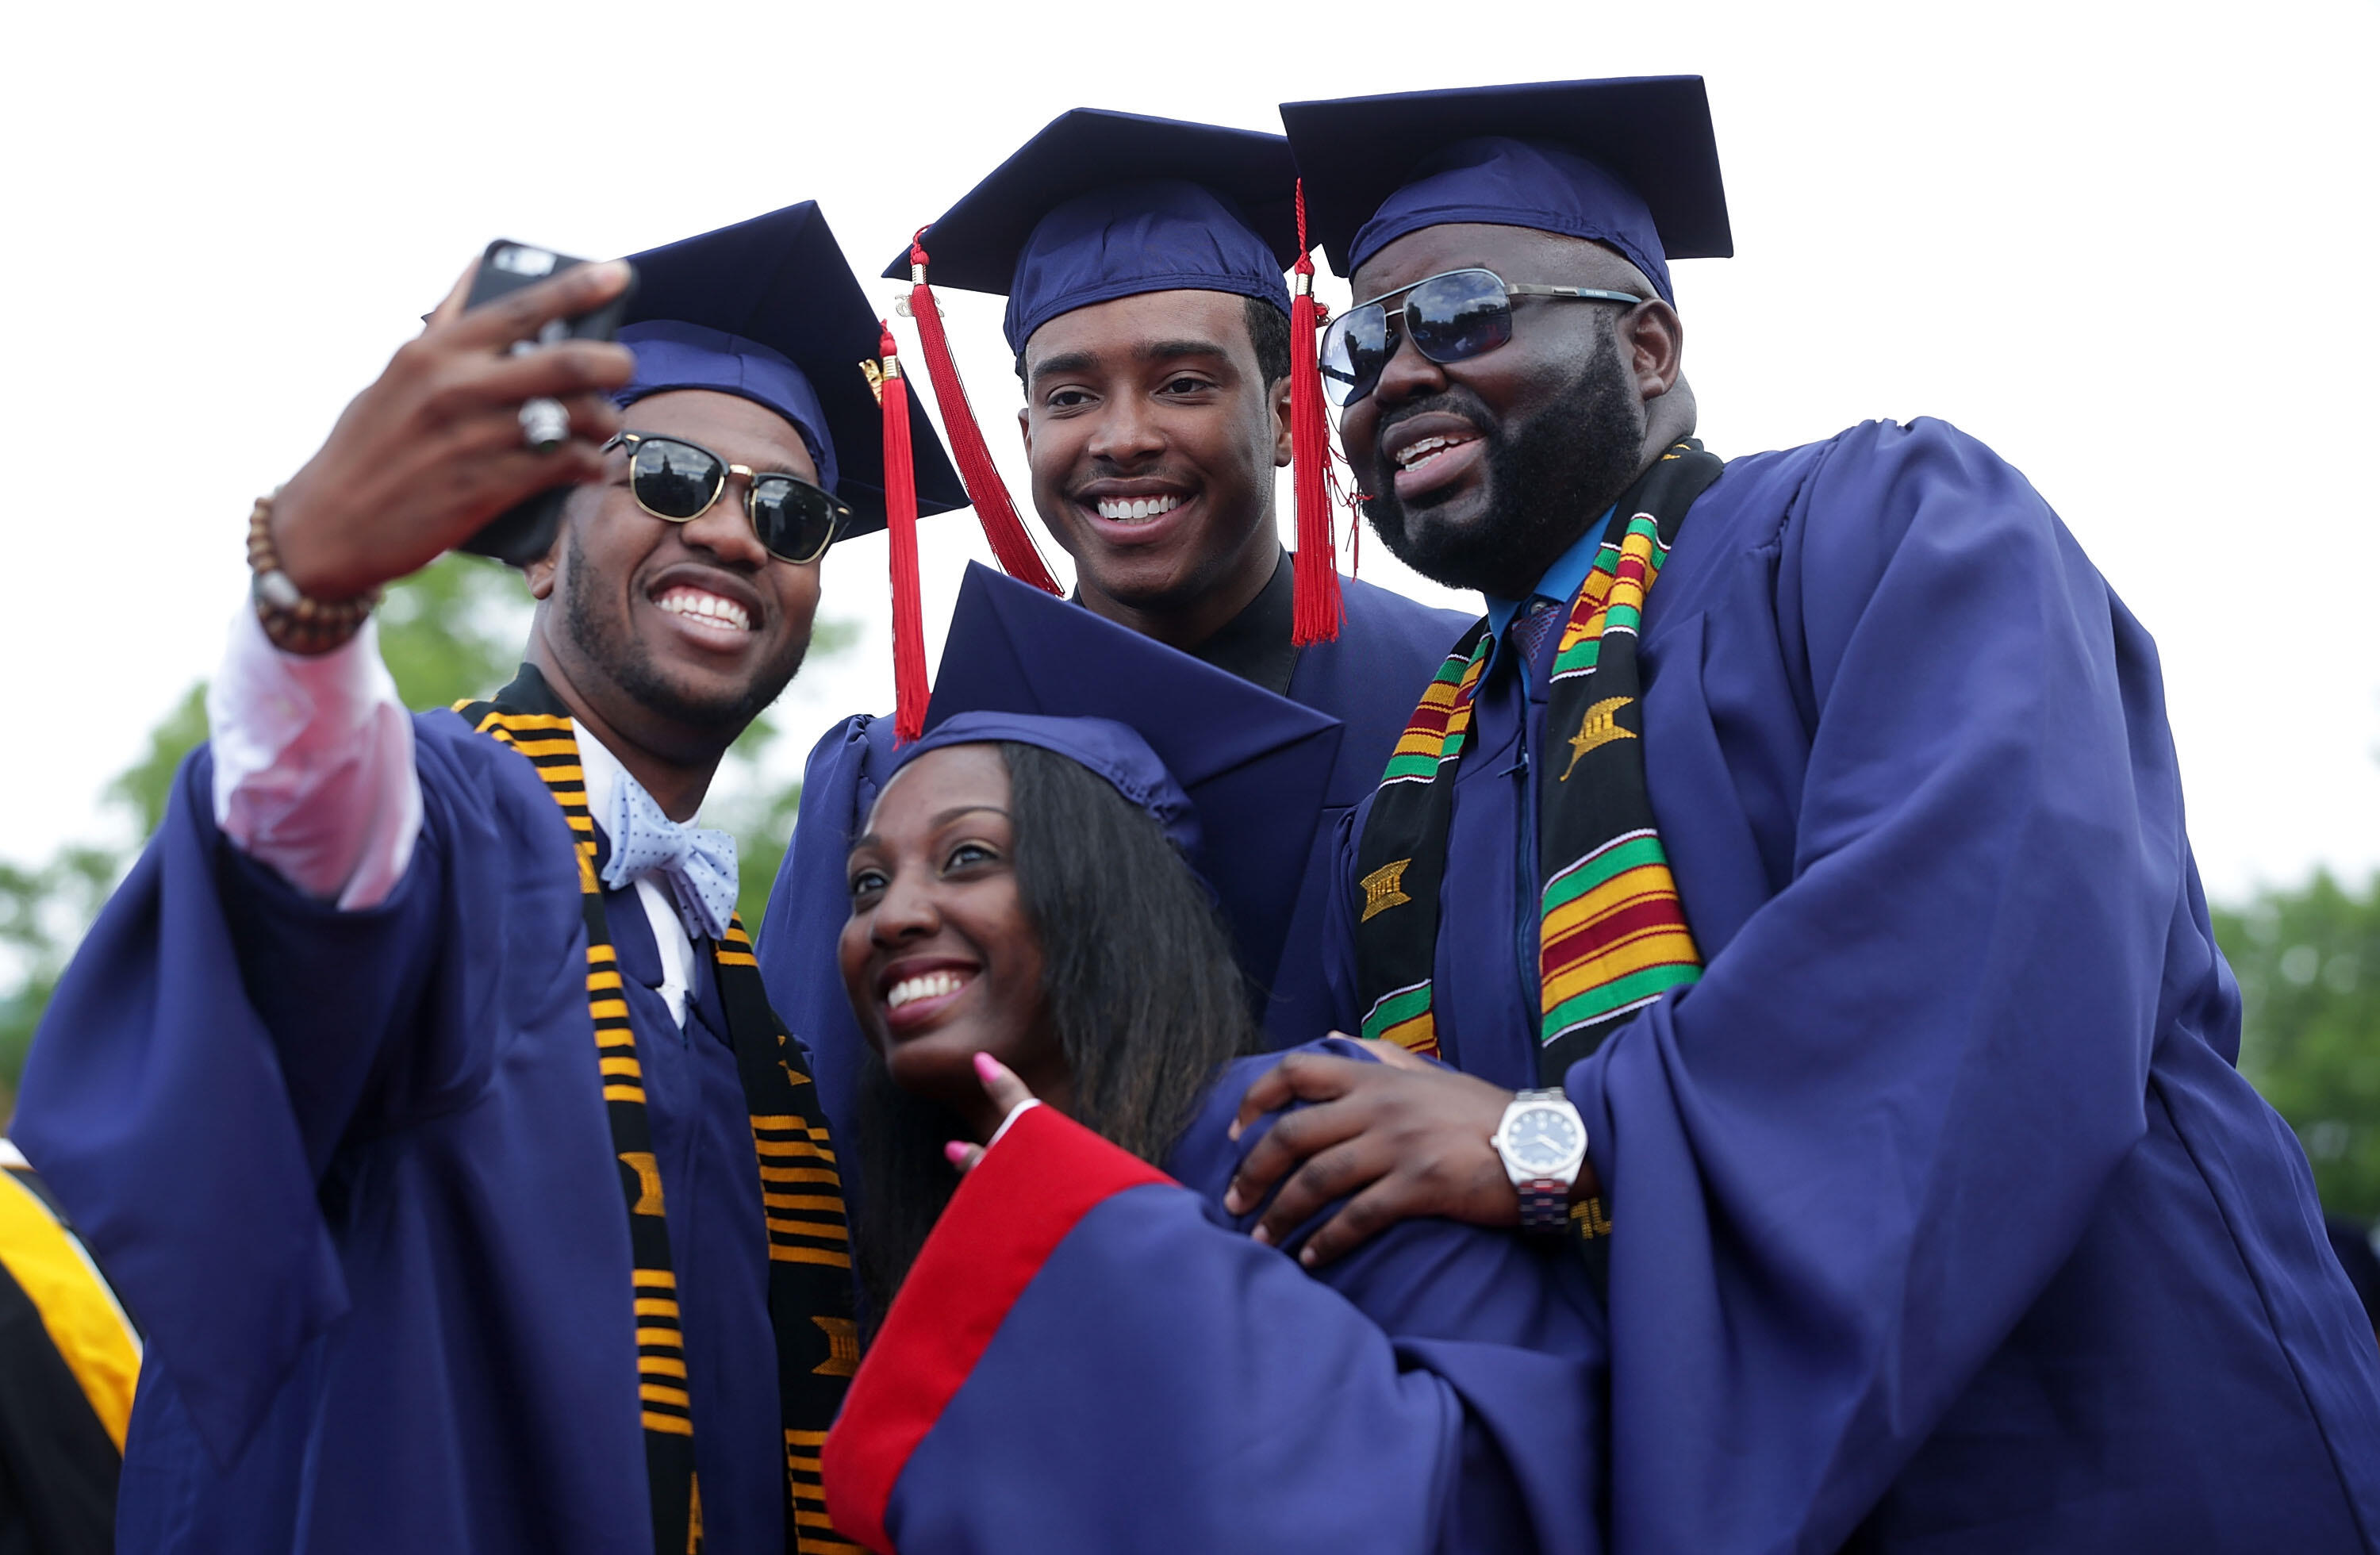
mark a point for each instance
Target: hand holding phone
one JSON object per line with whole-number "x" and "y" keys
{"x": 524, "y": 532}
{"x": 431, "y": 450}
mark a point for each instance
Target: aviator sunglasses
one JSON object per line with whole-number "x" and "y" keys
{"x": 678, "y": 480}
{"x": 1450, "y": 318}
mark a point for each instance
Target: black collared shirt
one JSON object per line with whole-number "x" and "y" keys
{"x": 1254, "y": 645}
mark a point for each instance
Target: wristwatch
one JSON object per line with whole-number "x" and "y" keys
{"x": 1543, "y": 1142}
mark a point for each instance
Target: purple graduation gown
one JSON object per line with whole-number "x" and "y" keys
{"x": 1090, "y": 1355}
{"x": 1368, "y": 679}
{"x": 353, "y": 1171}
{"x": 1941, "y": 1219}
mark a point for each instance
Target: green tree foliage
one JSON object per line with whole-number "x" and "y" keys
{"x": 451, "y": 631}
{"x": 2309, "y": 964}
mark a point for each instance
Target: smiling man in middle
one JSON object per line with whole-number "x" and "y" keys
{"x": 1143, "y": 261}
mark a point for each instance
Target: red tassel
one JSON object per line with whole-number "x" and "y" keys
{"x": 1018, "y": 557}
{"x": 1319, "y": 608}
{"x": 901, "y": 524}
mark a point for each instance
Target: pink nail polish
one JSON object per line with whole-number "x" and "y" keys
{"x": 955, "y": 1153}
{"x": 987, "y": 1068}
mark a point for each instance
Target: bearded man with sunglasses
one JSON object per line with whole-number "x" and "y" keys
{"x": 1791, "y": 869}
{"x": 419, "y": 1086}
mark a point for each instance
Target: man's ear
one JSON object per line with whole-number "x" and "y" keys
{"x": 1655, "y": 339}
{"x": 540, "y": 574}
{"x": 1025, "y": 429}
{"x": 1284, "y": 443}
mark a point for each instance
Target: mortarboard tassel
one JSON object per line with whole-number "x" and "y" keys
{"x": 1318, "y": 608}
{"x": 901, "y": 526}
{"x": 1018, "y": 557}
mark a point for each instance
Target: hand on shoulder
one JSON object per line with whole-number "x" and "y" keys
{"x": 1395, "y": 1135}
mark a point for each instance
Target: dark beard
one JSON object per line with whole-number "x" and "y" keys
{"x": 1569, "y": 462}
{"x": 628, "y": 665}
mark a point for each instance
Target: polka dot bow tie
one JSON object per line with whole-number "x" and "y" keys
{"x": 695, "y": 864}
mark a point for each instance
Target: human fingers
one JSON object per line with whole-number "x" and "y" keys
{"x": 448, "y": 386}
{"x": 1391, "y": 1197}
{"x": 342, "y": 531}
{"x": 519, "y": 315}
{"x": 565, "y": 367}
{"x": 1292, "y": 1138}
{"x": 1000, "y": 1084}
{"x": 1390, "y": 1054}
{"x": 490, "y": 430}
{"x": 963, "y": 1157}
{"x": 1300, "y": 1076}
{"x": 501, "y": 477}
{"x": 592, "y": 416}
{"x": 1347, "y": 1168}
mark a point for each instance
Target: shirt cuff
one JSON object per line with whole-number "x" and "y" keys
{"x": 313, "y": 764}
{"x": 1014, "y": 1114}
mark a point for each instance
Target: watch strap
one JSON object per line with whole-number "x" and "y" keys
{"x": 1544, "y": 1204}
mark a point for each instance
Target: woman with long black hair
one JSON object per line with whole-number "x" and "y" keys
{"x": 1106, "y": 976}
{"x": 1071, "y": 1351}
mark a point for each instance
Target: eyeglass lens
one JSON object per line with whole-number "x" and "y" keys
{"x": 1451, "y": 318}
{"x": 1454, "y": 318}
{"x": 794, "y": 521}
{"x": 674, "y": 479}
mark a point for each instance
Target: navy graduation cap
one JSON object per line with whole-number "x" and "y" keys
{"x": 1253, "y": 766}
{"x": 1629, "y": 161}
{"x": 769, "y": 310}
{"x": 1102, "y": 205}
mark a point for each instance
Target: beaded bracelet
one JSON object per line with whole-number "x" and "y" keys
{"x": 294, "y": 622}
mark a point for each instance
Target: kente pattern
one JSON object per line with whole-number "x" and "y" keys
{"x": 810, "y": 1270}
{"x": 1612, "y": 933}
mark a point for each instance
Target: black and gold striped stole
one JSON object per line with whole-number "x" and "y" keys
{"x": 810, "y": 1267}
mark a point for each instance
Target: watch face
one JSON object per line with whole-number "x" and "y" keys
{"x": 1542, "y": 1139}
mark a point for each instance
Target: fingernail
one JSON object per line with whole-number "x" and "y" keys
{"x": 612, "y": 270}
{"x": 1233, "y": 1132}
{"x": 1306, "y": 1257}
{"x": 1261, "y": 1235}
{"x": 1231, "y": 1205}
{"x": 987, "y": 1068}
{"x": 955, "y": 1153}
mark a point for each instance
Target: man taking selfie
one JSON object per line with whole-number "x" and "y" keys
{"x": 419, "y": 1087}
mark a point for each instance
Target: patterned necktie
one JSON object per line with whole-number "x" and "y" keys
{"x": 695, "y": 864}
{"x": 1530, "y": 628}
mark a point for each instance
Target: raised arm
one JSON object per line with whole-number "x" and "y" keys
{"x": 228, "y": 1020}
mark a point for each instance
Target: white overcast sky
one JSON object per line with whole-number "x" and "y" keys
{"x": 2129, "y": 246}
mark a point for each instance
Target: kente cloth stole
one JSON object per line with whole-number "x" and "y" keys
{"x": 1613, "y": 936}
{"x": 809, "y": 1251}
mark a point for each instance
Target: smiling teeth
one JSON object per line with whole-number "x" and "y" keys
{"x": 709, "y": 608}
{"x": 1136, "y": 510}
{"x": 1426, "y": 449}
{"x": 926, "y": 985}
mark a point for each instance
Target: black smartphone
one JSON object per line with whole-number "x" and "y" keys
{"x": 523, "y": 532}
